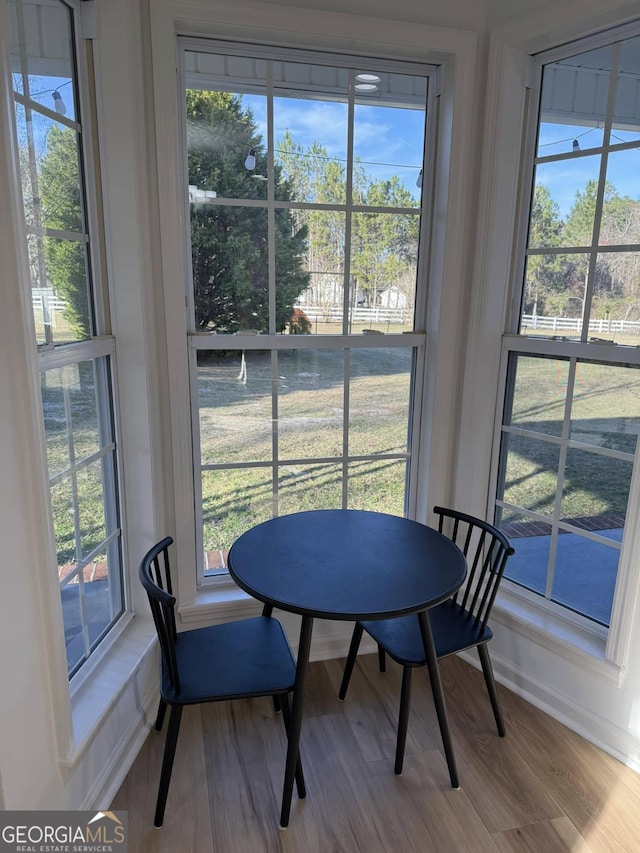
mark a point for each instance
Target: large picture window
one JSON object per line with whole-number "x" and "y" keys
{"x": 69, "y": 317}
{"x": 572, "y": 410}
{"x": 306, "y": 188}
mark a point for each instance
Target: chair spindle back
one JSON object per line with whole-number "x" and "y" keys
{"x": 486, "y": 549}
{"x": 155, "y": 577}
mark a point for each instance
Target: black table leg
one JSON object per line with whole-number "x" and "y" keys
{"x": 296, "y": 718}
{"x": 438, "y": 694}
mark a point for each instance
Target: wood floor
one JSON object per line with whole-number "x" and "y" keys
{"x": 541, "y": 789}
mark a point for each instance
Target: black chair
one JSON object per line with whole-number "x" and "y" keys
{"x": 235, "y": 660}
{"x": 457, "y": 624}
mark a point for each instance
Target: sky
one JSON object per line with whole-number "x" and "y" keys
{"x": 388, "y": 141}
{"x": 566, "y": 177}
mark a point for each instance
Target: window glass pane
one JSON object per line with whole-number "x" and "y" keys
{"x": 531, "y": 473}
{"x": 399, "y": 132}
{"x": 72, "y": 618}
{"x": 234, "y": 400}
{"x": 531, "y": 539}
{"x": 605, "y": 410}
{"x": 573, "y": 103}
{"x": 90, "y": 491}
{"x": 378, "y": 485}
{"x": 320, "y": 306}
{"x": 305, "y": 487}
{"x": 291, "y": 276}
{"x": 225, "y": 145}
{"x": 312, "y": 96}
{"x": 553, "y": 295}
{"x": 384, "y": 255}
{"x": 50, "y": 174}
{"x": 84, "y": 411}
{"x": 595, "y": 491}
{"x": 379, "y": 401}
{"x": 232, "y": 501}
{"x": 564, "y": 203}
{"x": 64, "y": 520}
{"x": 98, "y": 597}
{"x": 61, "y": 309}
{"x": 585, "y": 576}
{"x": 55, "y": 420}
{"x": 539, "y": 396}
{"x": 615, "y": 310}
{"x": 230, "y": 268}
{"x": 310, "y": 403}
{"x": 626, "y": 111}
{"x": 621, "y": 210}
{"x": 43, "y": 72}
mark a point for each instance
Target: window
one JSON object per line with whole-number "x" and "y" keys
{"x": 572, "y": 404}
{"x": 307, "y": 240}
{"x": 69, "y": 317}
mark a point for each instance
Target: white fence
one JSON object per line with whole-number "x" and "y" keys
{"x": 45, "y": 300}
{"x": 333, "y": 314}
{"x": 574, "y": 324}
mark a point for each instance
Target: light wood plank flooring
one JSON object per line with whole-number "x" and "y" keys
{"x": 541, "y": 789}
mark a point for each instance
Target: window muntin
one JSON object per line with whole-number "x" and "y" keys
{"x": 76, "y": 366}
{"x": 317, "y": 276}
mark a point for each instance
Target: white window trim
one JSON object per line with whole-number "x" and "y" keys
{"x": 508, "y": 111}
{"x": 455, "y": 52}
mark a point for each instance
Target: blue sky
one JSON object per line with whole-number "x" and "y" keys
{"x": 388, "y": 141}
{"x": 565, "y": 177}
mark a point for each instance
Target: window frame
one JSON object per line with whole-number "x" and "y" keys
{"x": 98, "y": 348}
{"x": 455, "y": 52}
{"x": 604, "y": 651}
{"x": 345, "y": 341}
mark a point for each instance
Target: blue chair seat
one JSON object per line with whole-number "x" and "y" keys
{"x": 235, "y": 660}
{"x": 454, "y": 630}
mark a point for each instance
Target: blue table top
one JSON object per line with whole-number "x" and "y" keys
{"x": 346, "y": 564}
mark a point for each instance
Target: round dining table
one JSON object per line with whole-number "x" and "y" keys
{"x": 348, "y": 565}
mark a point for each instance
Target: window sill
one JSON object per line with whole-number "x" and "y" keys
{"x": 100, "y": 683}
{"x": 219, "y": 601}
{"x": 577, "y": 643}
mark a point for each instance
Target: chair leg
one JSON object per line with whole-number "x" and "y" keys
{"x": 300, "y": 785}
{"x": 162, "y": 710}
{"x": 403, "y": 717}
{"x": 487, "y": 669}
{"x": 167, "y": 762}
{"x": 382, "y": 662}
{"x": 277, "y": 705}
{"x": 351, "y": 659}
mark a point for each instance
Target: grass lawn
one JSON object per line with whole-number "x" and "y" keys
{"x": 237, "y": 424}
{"x": 605, "y": 414}
{"x": 240, "y": 424}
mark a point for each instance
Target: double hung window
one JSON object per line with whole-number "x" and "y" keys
{"x": 572, "y": 363}
{"x": 307, "y": 180}
{"x": 70, "y": 317}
